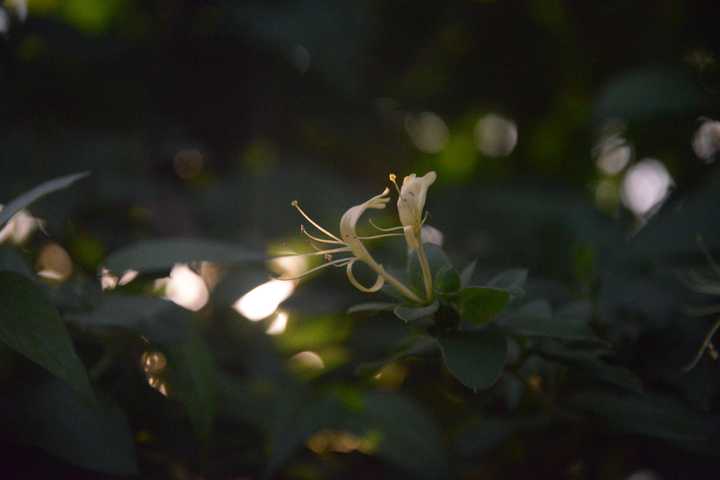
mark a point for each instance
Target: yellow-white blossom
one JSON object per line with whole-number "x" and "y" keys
{"x": 412, "y": 203}
{"x": 350, "y": 243}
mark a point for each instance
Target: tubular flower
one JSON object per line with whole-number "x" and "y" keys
{"x": 411, "y": 204}
{"x": 349, "y": 242}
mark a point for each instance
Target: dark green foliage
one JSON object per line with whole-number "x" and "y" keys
{"x": 476, "y": 358}
{"x": 32, "y": 327}
{"x": 36, "y": 193}
{"x": 96, "y": 437}
{"x": 154, "y": 255}
{"x": 480, "y": 305}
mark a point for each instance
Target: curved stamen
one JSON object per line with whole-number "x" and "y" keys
{"x": 383, "y": 229}
{"x": 308, "y": 272}
{"x": 319, "y": 252}
{"x": 373, "y": 237}
{"x": 379, "y": 282}
{"x": 393, "y": 179}
{"x": 318, "y": 239}
{"x": 295, "y": 204}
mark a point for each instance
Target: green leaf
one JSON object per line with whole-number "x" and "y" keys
{"x": 24, "y": 200}
{"x": 297, "y": 417}
{"x": 475, "y": 358}
{"x": 650, "y": 415}
{"x": 406, "y": 434}
{"x": 511, "y": 280}
{"x": 467, "y": 273}
{"x": 447, "y": 281}
{"x": 592, "y": 366}
{"x": 32, "y": 327}
{"x": 488, "y": 433}
{"x": 536, "y": 319}
{"x": 480, "y": 305}
{"x": 157, "y": 255}
{"x": 420, "y": 345}
{"x": 371, "y": 307}
{"x": 413, "y": 314}
{"x": 159, "y": 320}
{"x": 12, "y": 261}
{"x": 96, "y": 437}
{"x": 191, "y": 375}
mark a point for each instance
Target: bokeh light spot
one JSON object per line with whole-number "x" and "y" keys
{"x": 278, "y": 324}
{"x": 706, "y": 142}
{"x": 612, "y": 154}
{"x": 307, "y": 360}
{"x": 188, "y": 163}
{"x": 645, "y": 185}
{"x": 495, "y": 136}
{"x": 19, "y": 227}
{"x": 186, "y": 288}
{"x": 427, "y": 131}
{"x": 153, "y": 363}
{"x": 54, "y": 263}
{"x": 263, "y": 300}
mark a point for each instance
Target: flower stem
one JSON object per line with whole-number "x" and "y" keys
{"x": 426, "y": 273}
{"x": 398, "y": 284}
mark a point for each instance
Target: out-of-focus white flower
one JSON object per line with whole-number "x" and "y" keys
{"x": 432, "y": 235}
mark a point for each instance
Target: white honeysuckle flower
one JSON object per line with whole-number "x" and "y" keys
{"x": 351, "y": 243}
{"x": 412, "y": 203}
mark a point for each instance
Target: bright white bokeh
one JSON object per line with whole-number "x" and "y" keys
{"x": 186, "y": 288}
{"x": 428, "y": 131}
{"x": 278, "y": 324}
{"x": 289, "y": 265}
{"x": 263, "y": 300}
{"x": 108, "y": 281}
{"x": 19, "y": 227}
{"x": 495, "y": 136}
{"x": 706, "y": 142}
{"x": 645, "y": 185}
